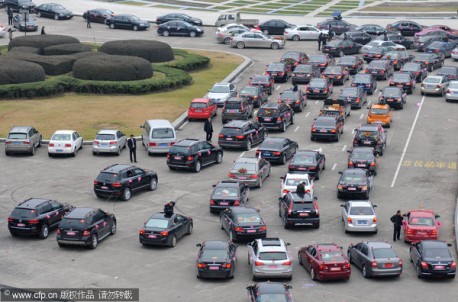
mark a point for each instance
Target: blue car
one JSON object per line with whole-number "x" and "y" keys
{"x": 443, "y": 49}
{"x": 366, "y": 81}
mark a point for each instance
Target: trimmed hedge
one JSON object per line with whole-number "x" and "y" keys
{"x": 66, "y": 49}
{"x": 112, "y": 68}
{"x": 25, "y": 49}
{"x": 189, "y": 61}
{"x": 15, "y": 72}
{"x": 49, "y": 87}
{"x": 153, "y": 51}
{"x": 53, "y": 65}
{"x": 41, "y": 41}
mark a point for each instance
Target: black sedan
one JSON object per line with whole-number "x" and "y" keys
{"x": 397, "y": 58}
{"x": 393, "y": 96}
{"x": 311, "y": 162}
{"x": 363, "y": 158}
{"x": 319, "y": 88}
{"x": 294, "y": 98}
{"x": 179, "y": 28}
{"x": 416, "y": 69}
{"x": 216, "y": 259}
{"x": 375, "y": 53}
{"x": 274, "y": 27}
{"x": 353, "y": 63}
{"x": 442, "y": 49}
{"x": 228, "y": 193}
{"x": 165, "y": 229}
{"x": 368, "y": 135}
{"x": 279, "y": 71}
{"x": 266, "y": 82}
{"x": 354, "y": 183}
{"x": 341, "y": 47}
{"x": 178, "y": 17}
{"x": 241, "y": 134}
{"x": 304, "y": 72}
{"x": 276, "y": 116}
{"x": 53, "y": 10}
{"x": 22, "y": 25}
{"x": 432, "y": 258}
{"x": 403, "y": 80}
{"x": 449, "y": 71}
{"x": 429, "y": 61}
{"x": 336, "y": 26}
{"x": 269, "y": 291}
{"x": 336, "y": 74}
{"x": 243, "y": 224}
{"x": 425, "y": 41}
{"x": 254, "y": 94}
{"x": 365, "y": 81}
{"x": 380, "y": 69}
{"x": 406, "y": 28}
{"x": 327, "y": 128}
{"x": 277, "y": 149}
{"x": 356, "y": 95}
{"x": 359, "y": 37}
{"x": 321, "y": 61}
{"x": 193, "y": 154}
{"x": 372, "y": 29}
{"x": 98, "y": 15}
{"x": 127, "y": 22}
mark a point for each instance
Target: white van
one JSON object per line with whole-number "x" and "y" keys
{"x": 158, "y": 136}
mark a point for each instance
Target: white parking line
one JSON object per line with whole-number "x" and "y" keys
{"x": 184, "y": 124}
{"x": 307, "y": 114}
{"x": 316, "y": 102}
{"x": 369, "y": 105}
{"x": 334, "y": 167}
{"x": 344, "y": 147}
{"x": 297, "y": 128}
{"x": 243, "y": 153}
{"x": 361, "y": 117}
{"x": 278, "y": 87}
{"x": 256, "y": 112}
{"x": 353, "y": 131}
{"x": 407, "y": 143}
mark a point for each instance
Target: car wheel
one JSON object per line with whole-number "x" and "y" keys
{"x": 153, "y": 184}
{"x": 173, "y": 241}
{"x": 283, "y": 127}
{"x": 44, "y": 232}
{"x": 39, "y": 142}
{"x": 135, "y": 28}
{"x": 312, "y": 274}
{"x": 266, "y": 134}
{"x": 32, "y": 152}
{"x": 240, "y": 45}
{"x": 189, "y": 231}
{"x": 56, "y": 17}
{"x": 227, "y": 41}
{"x": 283, "y": 159}
{"x": 94, "y": 242}
{"x": 418, "y": 271}
{"x": 296, "y": 38}
{"x": 112, "y": 26}
{"x": 166, "y": 33}
{"x": 275, "y": 46}
{"x": 13, "y": 234}
{"x": 285, "y": 223}
{"x": 431, "y": 68}
{"x": 126, "y": 194}
{"x": 219, "y": 158}
{"x": 349, "y": 257}
{"x": 119, "y": 152}
{"x": 61, "y": 245}
{"x": 39, "y": 14}
{"x": 197, "y": 166}
{"x": 248, "y": 145}
{"x": 193, "y": 34}
{"x": 364, "y": 271}
{"x": 49, "y": 154}
{"x": 113, "y": 228}
{"x": 260, "y": 182}
{"x": 341, "y": 54}
{"x": 74, "y": 152}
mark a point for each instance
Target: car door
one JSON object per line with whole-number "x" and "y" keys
{"x": 182, "y": 29}
{"x": 252, "y": 133}
{"x": 56, "y": 213}
{"x": 416, "y": 253}
{"x": 345, "y": 211}
{"x": 140, "y": 178}
{"x": 208, "y": 153}
{"x": 181, "y": 224}
{"x": 252, "y": 252}
{"x": 259, "y": 41}
{"x": 101, "y": 223}
{"x": 225, "y": 220}
{"x": 244, "y": 191}
{"x": 310, "y": 258}
{"x": 122, "y": 140}
{"x": 263, "y": 168}
{"x": 287, "y": 148}
{"x": 131, "y": 179}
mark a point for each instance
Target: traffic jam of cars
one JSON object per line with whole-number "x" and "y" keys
{"x": 257, "y": 119}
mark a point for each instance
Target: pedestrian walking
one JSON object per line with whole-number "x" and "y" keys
{"x": 300, "y": 189}
{"x": 10, "y": 16}
{"x": 208, "y": 128}
{"x": 396, "y": 219}
{"x": 10, "y": 33}
{"x": 132, "y": 144}
{"x": 330, "y": 33}
{"x": 345, "y": 36}
{"x": 88, "y": 20}
{"x": 385, "y": 37}
{"x": 43, "y": 30}
{"x": 320, "y": 38}
{"x": 168, "y": 208}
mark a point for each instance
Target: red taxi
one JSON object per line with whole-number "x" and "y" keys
{"x": 201, "y": 109}
{"x": 420, "y": 225}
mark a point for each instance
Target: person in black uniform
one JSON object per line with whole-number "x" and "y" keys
{"x": 300, "y": 189}
{"x": 88, "y": 19}
{"x": 320, "y": 38}
{"x": 132, "y": 144}
{"x": 208, "y": 128}
{"x": 397, "y": 222}
{"x": 10, "y": 15}
{"x": 168, "y": 208}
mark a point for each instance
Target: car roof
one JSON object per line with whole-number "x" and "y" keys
{"x": 368, "y": 127}
{"x": 355, "y": 171}
{"x": 270, "y": 105}
{"x": 271, "y": 244}
{"x": 298, "y": 197}
{"x": 297, "y": 176}
{"x": 116, "y": 168}
{"x": 275, "y": 139}
{"x": 327, "y": 247}
{"x": 362, "y": 150}
{"x": 200, "y": 100}
{"x": 434, "y": 77}
{"x": 234, "y": 99}
{"x": 270, "y": 287}
{"x": 307, "y": 152}
{"x": 20, "y": 128}
{"x": 32, "y": 203}
{"x": 236, "y": 124}
{"x": 161, "y": 215}
{"x": 80, "y": 212}
{"x": 243, "y": 210}
{"x": 221, "y": 84}
{"x": 380, "y": 106}
{"x": 187, "y": 142}
{"x": 360, "y": 203}
{"x": 325, "y": 117}
{"x": 378, "y": 244}
{"x": 215, "y": 245}
{"x": 421, "y": 213}
{"x": 64, "y": 132}
{"x": 228, "y": 183}
{"x": 159, "y": 123}
{"x": 107, "y": 131}
{"x": 434, "y": 244}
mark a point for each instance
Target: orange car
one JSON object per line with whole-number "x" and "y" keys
{"x": 201, "y": 109}
{"x": 380, "y": 114}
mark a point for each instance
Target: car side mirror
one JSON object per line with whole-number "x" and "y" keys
{"x": 449, "y": 244}
{"x": 288, "y": 244}
{"x": 248, "y": 287}
{"x": 348, "y": 151}
{"x": 199, "y": 245}
{"x": 213, "y": 186}
{"x": 340, "y": 172}
{"x": 437, "y": 216}
{"x": 355, "y": 130}
{"x": 282, "y": 177}
{"x": 289, "y": 287}
{"x": 374, "y": 206}
{"x": 315, "y": 198}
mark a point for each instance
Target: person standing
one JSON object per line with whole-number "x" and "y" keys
{"x": 385, "y": 37}
{"x": 330, "y": 33}
{"x": 43, "y": 30}
{"x": 88, "y": 19}
{"x": 320, "y": 38}
{"x": 10, "y": 16}
{"x": 396, "y": 219}
{"x": 10, "y": 33}
{"x": 208, "y": 128}
{"x": 168, "y": 208}
{"x": 300, "y": 189}
{"x": 132, "y": 144}
{"x": 345, "y": 36}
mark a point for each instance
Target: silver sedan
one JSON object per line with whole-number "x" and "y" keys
{"x": 452, "y": 92}
{"x": 435, "y": 85}
{"x": 359, "y": 216}
{"x": 256, "y": 40}
{"x": 109, "y": 141}
{"x": 303, "y": 32}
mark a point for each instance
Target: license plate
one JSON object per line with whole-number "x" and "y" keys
{"x": 267, "y": 119}
{"x": 429, "y": 86}
{"x": 273, "y": 266}
{"x": 273, "y": 74}
{"x": 362, "y": 222}
{"x": 439, "y": 267}
{"x": 303, "y": 214}
{"x": 266, "y": 153}
{"x": 323, "y": 130}
{"x": 362, "y": 165}
{"x": 251, "y": 231}
{"x": 241, "y": 177}
{"x": 232, "y": 110}
{"x": 71, "y": 233}
{"x": 389, "y": 100}
{"x": 198, "y": 110}
{"x": 316, "y": 90}
{"x": 214, "y": 268}
{"x": 17, "y": 143}
{"x": 335, "y": 269}
{"x": 152, "y": 236}
{"x": 375, "y": 71}
{"x": 59, "y": 150}
{"x": 20, "y": 225}
{"x": 177, "y": 157}
{"x": 163, "y": 145}
{"x": 104, "y": 187}
{"x": 367, "y": 142}
{"x": 224, "y": 203}
{"x": 302, "y": 169}
{"x": 400, "y": 85}
{"x": 388, "y": 265}
{"x": 229, "y": 138}
{"x": 351, "y": 189}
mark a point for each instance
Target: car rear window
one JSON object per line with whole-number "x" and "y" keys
{"x": 349, "y": 92}
{"x": 411, "y": 67}
{"x": 288, "y": 95}
{"x": 367, "y": 134}
{"x": 377, "y": 64}
{"x": 333, "y": 70}
{"x": 347, "y": 60}
{"x": 276, "y": 67}
{"x": 24, "y": 213}
{"x": 105, "y": 137}
{"x": 272, "y": 256}
{"x": 198, "y": 105}
{"x": 249, "y": 91}
{"x": 233, "y": 105}
{"x": 295, "y": 181}
{"x": 213, "y": 255}
{"x": 61, "y": 137}
{"x": 225, "y": 193}
{"x": 432, "y": 80}
{"x": 17, "y": 136}
{"x": 162, "y": 133}
{"x": 362, "y": 79}
{"x": 436, "y": 253}
{"x": 248, "y": 167}
{"x": 317, "y": 83}
{"x": 180, "y": 150}
{"x": 426, "y": 221}
{"x": 304, "y": 159}
{"x": 401, "y": 77}
{"x": 300, "y": 206}
{"x": 361, "y": 211}
{"x": 271, "y": 144}
{"x": 303, "y": 68}
{"x": 391, "y": 92}
{"x": 157, "y": 223}
{"x": 231, "y": 131}
{"x": 362, "y": 156}
{"x": 78, "y": 223}
{"x": 383, "y": 253}
{"x": 108, "y": 177}
{"x": 248, "y": 218}
{"x": 378, "y": 111}
{"x": 220, "y": 89}
{"x": 267, "y": 112}
{"x": 353, "y": 179}
{"x": 317, "y": 59}
{"x": 326, "y": 122}
{"x": 332, "y": 256}
{"x": 453, "y": 85}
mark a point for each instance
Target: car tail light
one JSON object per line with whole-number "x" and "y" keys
{"x": 212, "y": 202}
{"x": 58, "y": 231}
{"x": 291, "y": 167}
{"x": 333, "y": 130}
{"x": 378, "y": 56}
{"x": 236, "y": 203}
{"x": 400, "y": 262}
{"x": 96, "y": 142}
{"x": 290, "y": 209}
{"x": 96, "y": 182}
{"x": 395, "y": 62}
{"x": 227, "y": 265}
{"x": 325, "y": 90}
{"x": 287, "y": 262}
{"x": 68, "y": 145}
{"x": 372, "y": 164}
{"x": 168, "y": 156}
{"x": 238, "y": 229}
{"x": 340, "y": 187}
{"x": 220, "y": 136}
{"x": 374, "y": 263}
{"x": 7, "y": 142}
{"x": 151, "y": 144}
{"x": 201, "y": 265}
{"x": 286, "y": 32}
{"x": 438, "y": 86}
{"x": 190, "y": 158}
{"x": 285, "y": 191}
{"x": 142, "y": 232}
{"x": 350, "y": 163}
{"x": 453, "y": 265}
{"x": 113, "y": 143}
{"x": 366, "y": 71}
{"x": 116, "y": 185}
{"x": 349, "y": 220}
{"x": 258, "y": 28}
{"x": 382, "y": 71}
{"x": 278, "y": 119}
{"x": 424, "y": 264}
{"x": 172, "y": 143}
{"x": 323, "y": 64}
{"x": 33, "y": 221}
{"x": 298, "y": 102}
{"x": 315, "y": 205}
{"x": 313, "y": 129}
{"x": 346, "y": 266}
{"x": 26, "y": 142}
{"x": 220, "y": 34}
{"x": 279, "y": 101}
{"x": 240, "y": 137}
{"x": 164, "y": 233}
{"x": 379, "y": 142}
{"x": 258, "y": 263}
{"x": 368, "y": 85}
{"x": 391, "y": 82}
{"x": 322, "y": 267}
{"x": 230, "y": 175}
{"x": 254, "y": 176}
{"x": 409, "y": 231}
{"x": 374, "y": 219}
{"x": 422, "y": 85}
{"x": 10, "y": 219}
{"x": 257, "y": 152}
{"x": 86, "y": 233}
{"x": 355, "y": 141}
{"x": 364, "y": 188}
{"x": 311, "y": 168}
{"x": 433, "y": 232}
{"x": 263, "y": 228}
{"x": 448, "y": 91}
{"x": 276, "y": 153}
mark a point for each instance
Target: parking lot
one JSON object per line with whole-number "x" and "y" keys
{"x": 418, "y": 169}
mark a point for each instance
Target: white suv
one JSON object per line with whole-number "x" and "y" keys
{"x": 270, "y": 258}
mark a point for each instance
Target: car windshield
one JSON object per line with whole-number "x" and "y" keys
{"x": 426, "y": 221}
{"x": 325, "y": 122}
{"x": 248, "y": 218}
{"x": 105, "y": 137}
{"x": 333, "y": 70}
{"x": 267, "y": 112}
{"x": 162, "y": 133}
{"x": 304, "y": 159}
{"x": 233, "y": 105}
{"x": 276, "y": 67}
{"x": 317, "y": 59}
{"x": 432, "y": 80}
{"x": 379, "y": 111}
{"x": 360, "y": 78}
{"x": 213, "y": 255}
{"x": 392, "y": 92}
{"x": 421, "y": 57}
{"x": 303, "y": 68}
{"x": 220, "y": 89}
{"x": 453, "y": 85}
{"x": 157, "y": 223}
{"x": 383, "y": 253}
{"x": 353, "y": 178}
{"x": 108, "y": 177}
{"x": 272, "y": 256}
{"x": 225, "y": 192}
{"x": 347, "y": 60}
{"x": 230, "y": 131}
{"x": 334, "y": 43}
{"x": 436, "y": 253}
{"x": 260, "y": 80}
{"x": 373, "y": 43}
{"x": 272, "y": 298}
{"x": 198, "y": 105}
{"x": 271, "y": 144}
{"x": 355, "y": 155}
{"x": 349, "y": 92}
{"x": 247, "y": 167}
{"x": 332, "y": 256}
{"x": 17, "y": 136}
{"x": 249, "y": 91}
{"x": 317, "y": 83}
{"x": 289, "y": 95}
{"x": 61, "y": 137}
{"x": 401, "y": 77}
{"x": 24, "y": 213}
{"x": 361, "y": 211}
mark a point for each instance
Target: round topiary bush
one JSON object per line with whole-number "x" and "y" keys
{"x": 41, "y": 41}
{"x": 15, "y": 72}
{"x": 153, "y": 51}
{"x": 112, "y": 68}
{"x": 24, "y": 49}
{"x": 66, "y": 49}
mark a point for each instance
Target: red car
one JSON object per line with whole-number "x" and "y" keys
{"x": 202, "y": 109}
{"x": 325, "y": 262}
{"x": 420, "y": 225}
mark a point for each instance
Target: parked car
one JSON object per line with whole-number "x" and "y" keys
{"x": 85, "y": 227}
{"x": 23, "y": 139}
{"x": 432, "y": 258}
{"x": 382, "y": 43}
{"x": 109, "y": 141}
{"x": 290, "y": 181}
{"x": 435, "y": 85}
{"x": 243, "y": 224}
{"x": 265, "y": 81}
{"x": 363, "y": 158}
{"x": 216, "y": 259}
{"x": 274, "y": 115}
{"x": 397, "y": 58}
{"x": 127, "y": 22}
{"x": 353, "y": 63}
{"x": 165, "y": 229}
{"x": 277, "y": 149}
{"x": 193, "y": 154}
{"x": 251, "y": 171}
{"x": 294, "y": 98}
{"x": 359, "y": 37}
{"x": 443, "y": 49}
{"x": 327, "y": 128}
{"x": 403, "y": 80}
{"x": 297, "y": 209}
{"x": 416, "y": 69}
{"x": 380, "y": 69}
{"x": 121, "y": 180}
{"x": 375, "y": 53}
{"x": 336, "y": 74}
{"x": 242, "y": 134}
{"x": 393, "y": 96}
{"x": 65, "y": 142}
{"x": 279, "y": 71}
{"x": 319, "y": 88}
{"x": 356, "y": 95}
{"x": 359, "y": 216}
{"x": 303, "y": 73}
{"x": 380, "y": 114}
{"x": 2, "y": 30}
{"x": 226, "y": 36}
{"x": 449, "y": 71}
{"x": 420, "y": 225}
{"x": 17, "y": 5}
{"x": 354, "y": 183}
{"x": 422, "y": 42}
{"x": 294, "y": 58}
{"x": 221, "y": 92}
{"x": 321, "y": 60}
{"x": 452, "y": 92}
{"x": 455, "y": 53}
{"x": 366, "y": 81}
{"x": 256, "y": 40}
{"x": 336, "y": 26}
{"x": 53, "y": 10}
{"x": 430, "y": 61}
{"x": 312, "y": 162}
{"x": 269, "y": 291}
{"x": 236, "y": 108}
{"x": 178, "y": 17}
{"x": 98, "y": 15}
{"x": 228, "y": 193}
{"x": 341, "y": 47}
{"x": 372, "y": 29}
{"x": 255, "y": 95}
{"x": 22, "y": 25}
{"x": 398, "y": 39}
{"x": 36, "y": 217}
{"x": 406, "y": 28}
{"x": 302, "y": 32}
{"x": 371, "y": 136}
{"x": 202, "y": 108}
{"x": 375, "y": 259}
{"x": 179, "y": 28}
{"x": 158, "y": 136}
{"x": 274, "y": 27}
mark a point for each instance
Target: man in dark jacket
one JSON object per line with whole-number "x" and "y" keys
{"x": 320, "y": 38}
{"x": 208, "y": 128}
{"x": 132, "y": 144}
{"x": 168, "y": 208}
{"x": 300, "y": 189}
{"x": 10, "y": 15}
{"x": 397, "y": 222}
